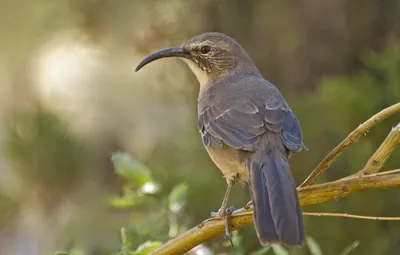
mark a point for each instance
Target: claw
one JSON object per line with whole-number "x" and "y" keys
{"x": 225, "y": 215}
{"x": 249, "y": 205}
{"x": 228, "y": 233}
{"x": 205, "y": 221}
{"x": 216, "y": 214}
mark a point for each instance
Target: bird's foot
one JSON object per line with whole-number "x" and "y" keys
{"x": 249, "y": 205}
{"x": 225, "y": 215}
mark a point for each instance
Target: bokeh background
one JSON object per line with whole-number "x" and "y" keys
{"x": 70, "y": 99}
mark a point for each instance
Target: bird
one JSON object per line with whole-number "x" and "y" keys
{"x": 249, "y": 132}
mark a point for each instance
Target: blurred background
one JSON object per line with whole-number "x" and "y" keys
{"x": 70, "y": 100}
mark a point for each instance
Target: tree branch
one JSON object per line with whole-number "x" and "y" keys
{"x": 347, "y": 215}
{"x": 382, "y": 154}
{"x": 352, "y": 138}
{"x": 311, "y": 195}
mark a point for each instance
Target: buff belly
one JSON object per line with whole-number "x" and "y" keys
{"x": 231, "y": 162}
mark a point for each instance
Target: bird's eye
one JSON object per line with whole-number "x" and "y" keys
{"x": 205, "y": 49}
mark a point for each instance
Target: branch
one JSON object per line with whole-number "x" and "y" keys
{"x": 381, "y": 155}
{"x": 347, "y": 215}
{"x": 311, "y": 195}
{"x": 352, "y": 138}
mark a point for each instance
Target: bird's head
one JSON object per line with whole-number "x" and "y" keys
{"x": 210, "y": 56}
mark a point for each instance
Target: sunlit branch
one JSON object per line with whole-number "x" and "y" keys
{"x": 352, "y": 138}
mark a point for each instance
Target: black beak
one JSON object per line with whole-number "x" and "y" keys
{"x": 170, "y": 52}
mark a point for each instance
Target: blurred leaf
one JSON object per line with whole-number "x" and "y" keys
{"x": 237, "y": 243}
{"x": 177, "y": 197}
{"x": 279, "y": 250}
{"x": 126, "y": 244}
{"x": 313, "y": 246}
{"x": 131, "y": 169}
{"x": 261, "y": 251}
{"x": 350, "y": 248}
{"x": 147, "y": 248}
{"x": 129, "y": 201}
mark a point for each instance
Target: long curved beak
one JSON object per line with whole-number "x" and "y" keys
{"x": 170, "y": 52}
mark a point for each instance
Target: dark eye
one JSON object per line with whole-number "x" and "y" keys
{"x": 205, "y": 49}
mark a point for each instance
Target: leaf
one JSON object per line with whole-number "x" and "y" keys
{"x": 130, "y": 169}
{"x": 279, "y": 250}
{"x": 177, "y": 197}
{"x": 126, "y": 244}
{"x": 350, "y": 248}
{"x": 128, "y": 201}
{"x": 147, "y": 248}
{"x": 313, "y": 246}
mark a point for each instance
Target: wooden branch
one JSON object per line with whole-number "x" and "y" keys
{"x": 352, "y": 138}
{"x": 311, "y": 195}
{"x": 353, "y": 216}
{"x": 332, "y": 191}
{"x": 382, "y": 154}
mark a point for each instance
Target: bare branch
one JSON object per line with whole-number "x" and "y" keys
{"x": 386, "y": 173}
{"x": 353, "y": 216}
{"x": 352, "y": 138}
{"x": 382, "y": 154}
{"x": 311, "y": 195}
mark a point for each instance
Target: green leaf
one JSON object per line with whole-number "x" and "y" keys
{"x": 130, "y": 169}
{"x": 147, "y": 248}
{"x": 177, "y": 197}
{"x": 313, "y": 246}
{"x": 350, "y": 248}
{"x": 131, "y": 201}
{"x": 126, "y": 244}
{"x": 279, "y": 250}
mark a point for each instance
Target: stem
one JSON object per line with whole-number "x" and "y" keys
{"x": 352, "y": 138}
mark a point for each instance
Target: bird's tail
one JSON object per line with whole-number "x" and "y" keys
{"x": 277, "y": 213}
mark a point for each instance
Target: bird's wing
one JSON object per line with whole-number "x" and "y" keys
{"x": 238, "y": 125}
{"x": 280, "y": 118}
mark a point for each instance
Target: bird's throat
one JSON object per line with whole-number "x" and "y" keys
{"x": 202, "y": 76}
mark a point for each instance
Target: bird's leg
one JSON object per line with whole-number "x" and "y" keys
{"x": 224, "y": 213}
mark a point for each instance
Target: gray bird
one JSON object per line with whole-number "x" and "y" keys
{"x": 248, "y": 130}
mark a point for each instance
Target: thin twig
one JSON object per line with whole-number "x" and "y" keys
{"x": 352, "y": 138}
{"x": 382, "y": 154}
{"x": 311, "y": 195}
{"x": 353, "y": 216}
{"x": 386, "y": 173}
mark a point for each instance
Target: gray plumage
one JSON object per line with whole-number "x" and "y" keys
{"x": 248, "y": 130}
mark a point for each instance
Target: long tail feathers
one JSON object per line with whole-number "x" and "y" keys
{"x": 277, "y": 213}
